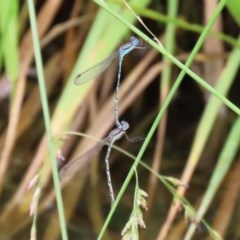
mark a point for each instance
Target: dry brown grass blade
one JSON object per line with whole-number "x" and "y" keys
{"x": 229, "y": 202}
{"x": 212, "y": 45}
{"x": 20, "y": 203}
{"x": 8, "y": 137}
{"x": 45, "y": 18}
{"x": 95, "y": 206}
{"x": 211, "y": 71}
{"x": 26, "y": 54}
{"x": 157, "y": 158}
{"x": 29, "y": 113}
{"x": 71, "y": 42}
{"x": 27, "y": 117}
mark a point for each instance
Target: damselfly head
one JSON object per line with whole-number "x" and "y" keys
{"x": 124, "y": 125}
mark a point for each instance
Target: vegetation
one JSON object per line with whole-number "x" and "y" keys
{"x": 180, "y": 96}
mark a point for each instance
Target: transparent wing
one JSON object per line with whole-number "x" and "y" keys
{"x": 75, "y": 165}
{"x": 96, "y": 70}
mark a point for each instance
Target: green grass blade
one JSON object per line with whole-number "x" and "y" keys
{"x": 46, "y": 115}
